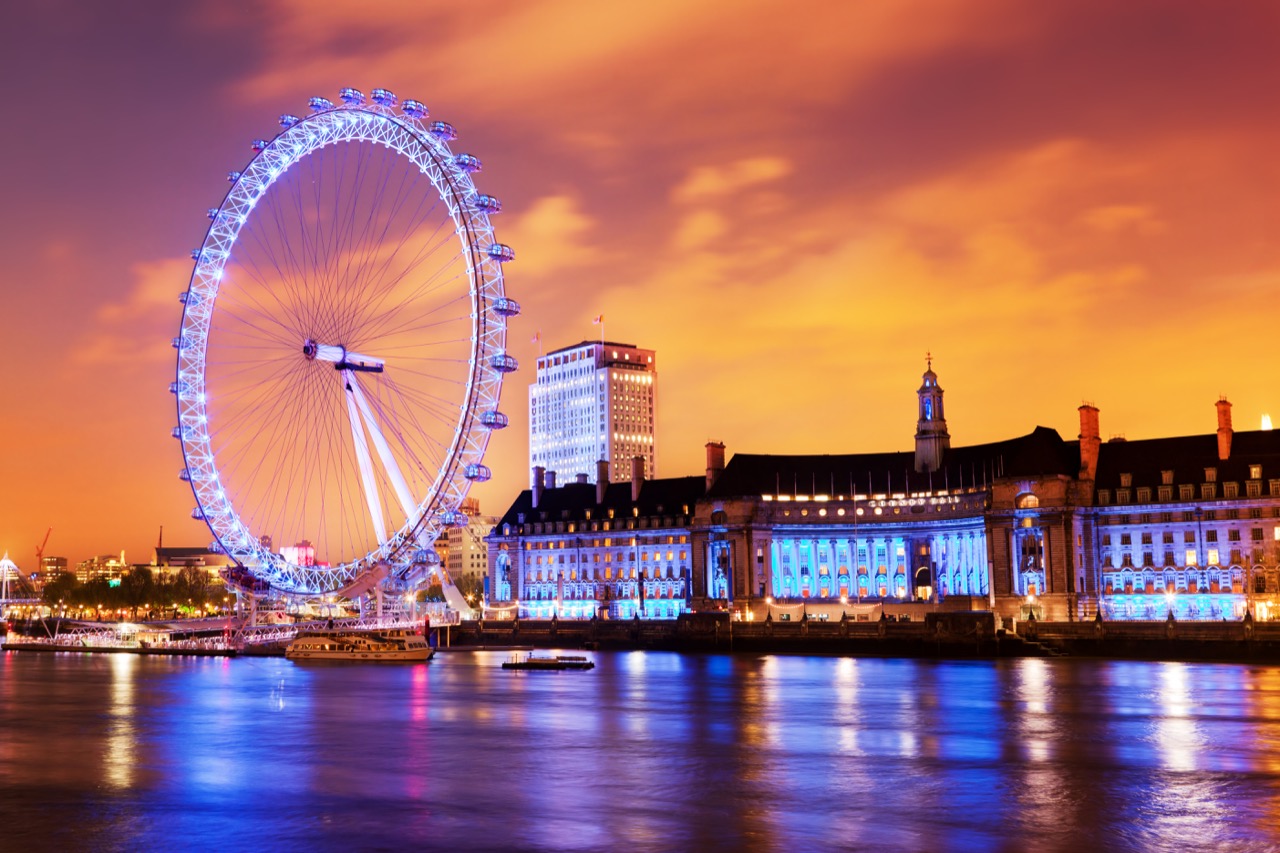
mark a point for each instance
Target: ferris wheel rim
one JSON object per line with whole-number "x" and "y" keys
{"x": 410, "y": 137}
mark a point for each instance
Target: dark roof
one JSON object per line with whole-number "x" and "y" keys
{"x": 1041, "y": 452}
{"x": 589, "y": 343}
{"x": 1187, "y": 456}
{"x": 172, "y": 553}
{"x": 657, "y": 497}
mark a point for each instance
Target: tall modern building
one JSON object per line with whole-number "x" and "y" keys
{"x": 593, "y": 401}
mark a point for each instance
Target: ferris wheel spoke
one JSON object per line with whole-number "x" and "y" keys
{"x": 444, "y": 276}
{"x": 380, "y": 276}
{"x": 397, "y": 322}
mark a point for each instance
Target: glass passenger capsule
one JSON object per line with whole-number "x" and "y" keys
{"x": 288, "y": 120}
{"x": 443, "y": 130}
{"x": 502, "y": 253}
{"x": 503, "y": 363}
{"x": 506, "y": 306}
{"x": 386, "y": 97}
{"x": 468, "y": 162}
{"x": 352, "y": 96}
{"x": 478, "y": 473}
{"x": 318, "y": 104}
{"x": 493, "y": 419}
{"x": 489, "y": 204}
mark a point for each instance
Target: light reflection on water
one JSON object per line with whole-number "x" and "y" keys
{"x": 648, "y": 752}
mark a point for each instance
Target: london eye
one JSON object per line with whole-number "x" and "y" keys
{"x": 342, "y": 349}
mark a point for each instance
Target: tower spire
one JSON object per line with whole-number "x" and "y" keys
{"x": 932, "y": 438}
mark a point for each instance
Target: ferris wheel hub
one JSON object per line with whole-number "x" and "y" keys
{"x": 341, "y": 357}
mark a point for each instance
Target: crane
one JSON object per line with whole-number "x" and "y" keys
{"x": 40, "y": 553}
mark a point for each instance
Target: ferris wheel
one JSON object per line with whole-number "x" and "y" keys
{"x": 342, "y": 348}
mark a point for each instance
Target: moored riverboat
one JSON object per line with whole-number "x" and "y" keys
{"x": 394, "y": 645}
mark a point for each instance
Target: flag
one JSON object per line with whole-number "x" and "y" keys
{"x": 597, "y": 320}
{"x": 537, "y": 337}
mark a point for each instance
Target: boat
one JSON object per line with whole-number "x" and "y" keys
{"x": 559, "y": 662}
{"x": 393, "y": 645}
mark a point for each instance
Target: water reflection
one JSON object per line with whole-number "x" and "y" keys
{"x": 648, "y": 751}
{"x": 118, "y": 758}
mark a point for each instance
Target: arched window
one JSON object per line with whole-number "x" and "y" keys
{"x": 1026, "y": 500}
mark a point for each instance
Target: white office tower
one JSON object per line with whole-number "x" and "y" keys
{"x": 592, "y": 401}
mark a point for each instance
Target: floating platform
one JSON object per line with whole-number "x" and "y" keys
{"x": 544, "y": 664}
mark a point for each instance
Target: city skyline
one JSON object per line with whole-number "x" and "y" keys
{"x": 789, "y": 204}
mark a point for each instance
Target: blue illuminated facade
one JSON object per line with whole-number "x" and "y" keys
{"x": 604, "y": 550}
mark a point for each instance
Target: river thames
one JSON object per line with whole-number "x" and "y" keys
{"x": 649, "y": 751}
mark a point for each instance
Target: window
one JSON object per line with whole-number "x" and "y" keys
{"x": 1255, "y": 512}
{"x": 1125, "y": 539}
{"x": 1168, "y": 538}
{"x": 1189, "y": 536}
{"x": 1146, "y": 539}
{"x": 1253, "y": 489}
{"x": 1126, "y": 480}
{"x": 1233, "y": 535}
{"x": 1256, "y": 534}
{"x": 1144, "y": 495}
{"x": 1191, "y": 557}
{"x": 1166, "y": 518}
{"x": 1104, "y": 496}
{"x": 1186, "y": 492}
{"x": 1166, "y": 478}
{"x": 1255, "y": 472}
{"x": 1208, "y": 491}
{"x": 1211, "y": 475}
{"x": 1211, "y": 536}
{"x": 1166, "y": 493}
{"x": 1231, "y": 490}
{"x": 1122, "y": 496}
{"x": 1106, "y": 540}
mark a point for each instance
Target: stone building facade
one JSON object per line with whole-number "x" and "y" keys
{"x": 1029, "y": 526}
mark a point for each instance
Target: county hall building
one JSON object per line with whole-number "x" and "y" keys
{"x": 1035, "y": 524}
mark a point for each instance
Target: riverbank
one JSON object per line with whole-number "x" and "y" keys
{"x": 943, "y": 635}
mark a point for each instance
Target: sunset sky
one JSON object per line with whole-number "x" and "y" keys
{"x": 791, "y": 202}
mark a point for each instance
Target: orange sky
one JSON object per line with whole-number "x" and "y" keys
{"x": 790, "y": 201}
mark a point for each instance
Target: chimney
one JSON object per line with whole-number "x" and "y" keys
{"x": 538, "y": 484}
{"x": 1224, "y": 429}
{"x": 1090, "y": 442}
{"x": 715, "y": 462}
{"x": 580, "y": 479}
{"x": 637, "y": 476}
{"x": 551, "y": 479}
{"x": 602, "y": 479}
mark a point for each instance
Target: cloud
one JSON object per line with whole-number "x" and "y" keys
{"x": 130, "y": 330}
{"x": 554, "y": 235}
{"x": 705, "y": 183}
{"x": 156, "y": 285}
{"x": 1112, "y": 218}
